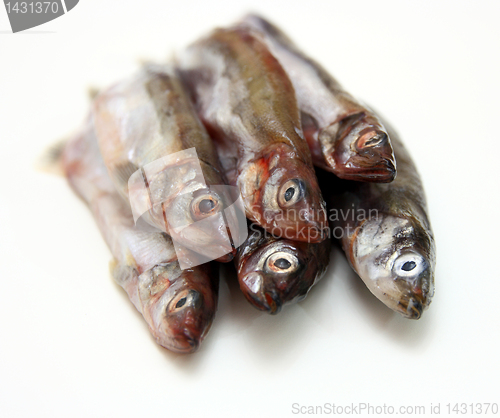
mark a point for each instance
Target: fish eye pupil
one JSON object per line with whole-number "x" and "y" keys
{"x": 282, "y": 263}
{"x": 180, "y": 303}
{"x": 372, "y": 141}
{"x": 289, "y": 193}
{"x": 409, "y": 265}
{"x": 206, "y": 205}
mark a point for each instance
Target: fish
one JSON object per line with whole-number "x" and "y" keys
{"x": 274, "y": 272}
{"x": 347, "y": 137}
{"x": 161, "y": 158}
{"x": 248, "y": 104}
{"x": 385, "y": 232}
{"x": 178, "y": 305}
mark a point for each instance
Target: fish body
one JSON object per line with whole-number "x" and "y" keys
{"x": 386, "y": 234}
{"x": 248, "y": 105}
{"x": 347, "y": 138}
{"x": 273, "y": 272}
{"x": 178, "y": 305}
{"x": 156, "y": 149}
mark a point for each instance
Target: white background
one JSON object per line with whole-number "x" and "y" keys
{"x": 71, "y": 344}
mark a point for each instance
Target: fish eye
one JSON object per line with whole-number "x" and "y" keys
{"x": 409, "y": 264}
{"x": 183, "y": 299}
{"x": 282, "y": 262}
{"x": 371, "y": 139}
{"x": 205, "y": 204}
{"x": 181, "y": 302}
{"x": 291, "y": 192}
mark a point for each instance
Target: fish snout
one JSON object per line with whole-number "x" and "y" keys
{"x": 185, "y": 342}
{"x": 226, "y": 258}
{"x": 366, "y": 166}
{"x": 273, "y": 303}
{"x": 192, "y": 340}
{"x": 385, "y": 170}
{"x": 412, "y": 307}
{"x": 252, "y": 286}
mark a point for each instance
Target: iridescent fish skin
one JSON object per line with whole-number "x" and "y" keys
{"x": 248, "y": 104}
{"x": 178, "y": 305}
{"x": 273, "y": 272}
{"x": 386, "y": 234}
{"x": 347, "y": 138}
{"x": 145, "y": 118}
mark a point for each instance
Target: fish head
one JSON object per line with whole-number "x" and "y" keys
{"x": 181, "y": 305}
{"x": 195, "y": 220}
{"x": 179, "y": 202}
{"x": 394, "y": 256}
{"x": 284, "y": 197}
{"x": 362, "y": 150}
{"x": 273, "y": 272}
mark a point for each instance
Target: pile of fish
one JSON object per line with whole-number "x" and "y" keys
{"x": 243, "y": 109}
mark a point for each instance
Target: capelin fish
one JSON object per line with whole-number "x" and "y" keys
{"x": 386, "y": 234}
{"x": 273, "y": 272}
{"x": 178, "y": 305}
{"x": 147, "y": 123}
{"x": 345, "y": 137}
{"x": 247, "y": 102}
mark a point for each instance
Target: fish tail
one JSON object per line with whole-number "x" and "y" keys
{"x": 93, "y": 92}
{"x": 51, "y": 159}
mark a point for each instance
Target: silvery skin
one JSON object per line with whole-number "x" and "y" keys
{"x": 391, "y": 246}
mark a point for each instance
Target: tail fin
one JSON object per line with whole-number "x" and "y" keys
{"x": 51, "y": 160}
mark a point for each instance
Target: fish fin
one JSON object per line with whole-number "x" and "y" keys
{"x": 145, "y": 62}
{"x": 93, "y": 92}
{"x": 123, "y": 171}
{"x": 121, "y": 273}
{"x": 127, "y": 277}
{"x": 51, "y": 159}
{"x": 113, "y": 264}
{"x": 148, "y": 246}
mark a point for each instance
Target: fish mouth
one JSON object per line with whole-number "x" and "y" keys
{"x": 274, "y": 303}
{"x": 411, "y": 308}
{"x": 226, "y": 258}
{"x": 264, "y": 300}
{"x": 270, "y": 302}
{"x": 362, "y": 169}
{"x": 185, "y": 343}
